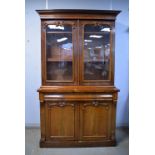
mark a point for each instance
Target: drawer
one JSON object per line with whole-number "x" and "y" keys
{"x": 78, "y": 97}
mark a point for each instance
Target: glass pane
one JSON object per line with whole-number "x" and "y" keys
{"x": 60, "y": 28}
{"x": 59, "y": 53}
{"x": 96, "y": 28}
{"x": 96, "y": 53}
{"x": 60, "y": 71}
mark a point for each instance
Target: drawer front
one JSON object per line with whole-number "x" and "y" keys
{"x": 95, "y": 120}
{"x": 61, "y": 120}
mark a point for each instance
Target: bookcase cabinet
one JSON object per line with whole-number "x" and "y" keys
{"x": 77, "y": 96}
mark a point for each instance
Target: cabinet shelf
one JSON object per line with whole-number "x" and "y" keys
{"x": 93, "y": 32}
{"x": 59, "y": 59}
{"x": 69, "y": 60}
{"x": 57, "y": 32}
{"x": 97, "y": 60}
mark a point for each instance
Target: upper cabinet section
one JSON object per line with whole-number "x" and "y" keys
{"x": 77, "y": 47}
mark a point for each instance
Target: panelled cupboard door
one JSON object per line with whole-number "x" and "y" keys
{"x": 61, "y": 120}
{"x": 95, "y": 120}
{"x": 59, "y": 38}
{"x": 96, "y": 52}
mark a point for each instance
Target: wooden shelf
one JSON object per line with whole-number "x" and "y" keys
{"x": 67, "y": 59}
{"x": 95, "y": 32}
{"x": 58, "y": 59}
{"x": 58, "y": 32}
{"x": 97, "y": 60}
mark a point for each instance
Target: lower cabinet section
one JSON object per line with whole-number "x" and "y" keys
{"x": 77, "y": 123}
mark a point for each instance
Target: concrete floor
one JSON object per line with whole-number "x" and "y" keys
{"x": 32, "y": 137}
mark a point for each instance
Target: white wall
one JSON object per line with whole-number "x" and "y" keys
{"x": 33, "y": 53}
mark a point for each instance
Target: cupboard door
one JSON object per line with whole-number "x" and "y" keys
{"x": 95, "y": 120}
{"x": 60, "y": 52}
{"x": 61, "y": 121}
{"x": 96, "y": 61}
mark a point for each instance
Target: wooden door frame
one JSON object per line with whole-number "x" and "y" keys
{"x": 44, "y": 24}
{"x": 111, "y": 24}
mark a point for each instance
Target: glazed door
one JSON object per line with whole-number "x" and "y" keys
{"x": 59, "y": 59}
{"x": 95, "y": 120}
{"x": 96, "y": 59}
{"x": 61, "y": 120}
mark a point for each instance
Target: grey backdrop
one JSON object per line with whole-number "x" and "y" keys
{"x": 33, "y": 53}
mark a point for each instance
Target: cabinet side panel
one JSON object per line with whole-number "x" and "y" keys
{"x": 43, "y": 69}
{"x": 113, "y": 120}
{"x": 42, "y": 120}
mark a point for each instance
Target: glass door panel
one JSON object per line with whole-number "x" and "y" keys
{"x": 59, "y": 53}
{"x": 96, "y": 52}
